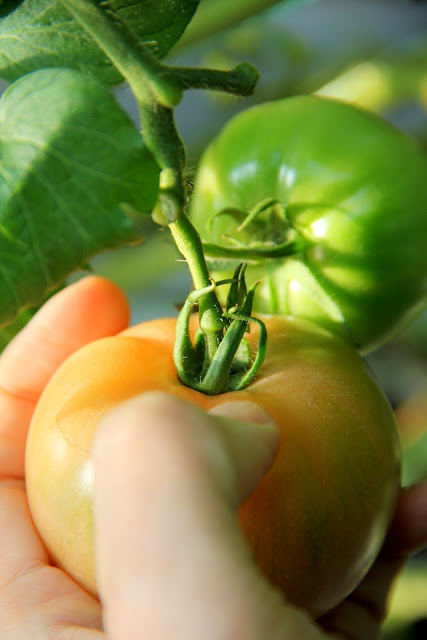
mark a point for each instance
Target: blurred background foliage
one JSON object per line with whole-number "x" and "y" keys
{"x": 370, "y": 52}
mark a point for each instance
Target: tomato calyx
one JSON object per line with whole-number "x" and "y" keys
{"x": 268, "y": 223}
{"x": 231, "y": 368}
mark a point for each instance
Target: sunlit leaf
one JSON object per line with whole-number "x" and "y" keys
{"x": 70, "y": 163}
{"x": 41, "y": 33}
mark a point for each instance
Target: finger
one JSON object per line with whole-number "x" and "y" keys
{"x": 36, "y": 600}
{"x": 171, "y": 560}
{"x": 90, "y": 309}
{"x": 87, "y": 310}
{"x": 365, "y": 609}
{"x": 239, "y": 424}
{"x": 19, "y": 543}
{"x": 408, "y": 531}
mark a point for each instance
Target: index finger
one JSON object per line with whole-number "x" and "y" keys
{"x": 85, "y": 311}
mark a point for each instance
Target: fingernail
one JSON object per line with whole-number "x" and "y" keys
{"x": 244, "y": 412}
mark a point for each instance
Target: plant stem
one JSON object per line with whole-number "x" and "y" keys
{"x": 189, "y": 244}
{"x": 157, "y": 89}
{"x": 151, "y": 81}
{"x": 144, "y": 73}
{"x": 162, "y": 138}
{"x": 240, "y": 81}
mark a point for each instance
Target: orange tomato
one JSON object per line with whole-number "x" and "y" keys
{"x": 317, "y": 520}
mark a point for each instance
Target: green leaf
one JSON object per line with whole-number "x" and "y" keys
{"x": 71, "y": 165}
{"x": 8, "y": 7}
{"x": 42, "y": 33}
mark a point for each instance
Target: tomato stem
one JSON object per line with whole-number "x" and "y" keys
{"x": 225, "y": 372}
{"x": 239, "y": 81}
{"x": 157, "y": 89}
{"x": 189, "y": 244}
{"x": 218, "y": 377}
{"x": 148, "y": 78}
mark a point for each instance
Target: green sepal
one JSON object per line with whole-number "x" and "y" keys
{"x": 230, "y": 368}
{"x": 256, "y": 251}
{"x": 242, "y": 358}
{"x": 259, "y": 208}
{"x": 241, "y": 379}
{"x": 217, "y": 377}
{"x": 187, "y": 358}
{"x": 238, "y": 291}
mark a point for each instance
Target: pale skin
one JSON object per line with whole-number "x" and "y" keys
{"x": 204, "y": 586}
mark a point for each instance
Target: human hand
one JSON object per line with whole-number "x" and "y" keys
{"x": 172, "y": 560}
{"x": 206, "y": 476}
{"x": 38, "y": 601}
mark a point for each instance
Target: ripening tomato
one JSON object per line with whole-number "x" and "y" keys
{"x": 327, "y": 204}
{"x": 318, "y": 518}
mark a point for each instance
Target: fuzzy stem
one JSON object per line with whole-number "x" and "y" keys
{"x": 148, "y": 78}
{"x": 190, "y": 245}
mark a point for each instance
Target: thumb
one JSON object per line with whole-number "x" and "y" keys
{"x": 249, "y": 441}
{"x": 171, "y": 559}
{"x": 160, "y": 461}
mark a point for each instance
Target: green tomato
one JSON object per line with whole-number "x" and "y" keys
{"x": 328, "y": 206}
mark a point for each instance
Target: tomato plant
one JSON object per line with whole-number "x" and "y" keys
{"x": 319, "y": 517}
{"x": 323, "y": 202}
{"x": 327, "y": 203}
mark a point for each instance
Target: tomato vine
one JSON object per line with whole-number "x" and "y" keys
{"x": 158, "y": 89}
{"x": 53, "y": 181}
{"x": 314, "y": 384}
